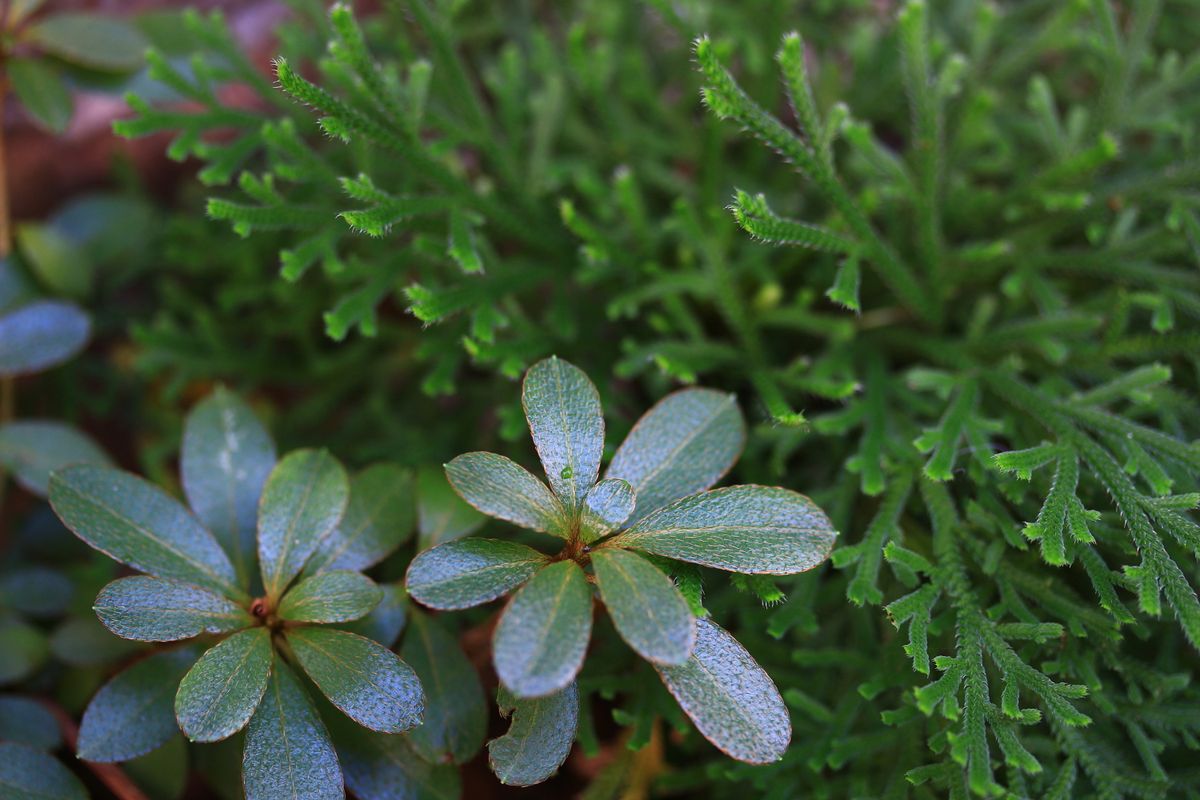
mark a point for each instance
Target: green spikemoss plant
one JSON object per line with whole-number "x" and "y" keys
{"x": 652, "y": 506}
{"x": 268, "y": 561}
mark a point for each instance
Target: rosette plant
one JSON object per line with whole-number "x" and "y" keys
{"x": 266, "y": 561}
{"x": 618, "y": 534}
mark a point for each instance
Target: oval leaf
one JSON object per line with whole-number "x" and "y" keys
{"x": 608, "y": 504}
{"x": 42, "y": 92}
{"x": 382, "y": 767}
{"x": 32, "y": 449}
{"x": 681, "y": 446}
{"x": 288, "y": 752}
{"x": 563, "y": 410}
{"x": 41, "y": 335}
{"x": 648, "y": 611}
{"x": 539, "y": 739}
{"x": 226, "y": 458}
{"x": 90, "y": 40}
{"x": 25, "y": 720}
{"x": 386, "y": 620}
{"x": 302, "y": 502}
{"x": 23, "y": 648}
{"x": 455, "y": 710}
{"x": 219, "y": 694}
{"x": 501, "y": 488}
{"x": 441, "y": 514}
{"x": 368, "y": 682}
{"x": 338, "y": 596}
{"x": 542, "y": 636}
{"x": 134, "y": 712}
{"x": 379, "y": 518}
{"x": 36, "y": 591}
{"x": 730, "y": 698}
{"x": 29, "y": 774}
{"x": 153, "y": 610}
{"x": 753, "y": 529}
{"x": 468, "y": 572}
{"x": 138, "y": 524}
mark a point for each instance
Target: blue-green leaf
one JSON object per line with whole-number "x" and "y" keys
{"x": 32, "y": 449}
{"x": 382, "y": 767}
{"x": 455, "y": 711}
{"x": 378, "y": 519}
{"x": 40, "y": 335}
{"x": 338, "y": 596}
{"x": 752, "y": 529}
{"x": 362, "y": 678}
{"x": 137, "y": 523}
{"x": 441, "y": 514}
{"x": 27, "y": 721}
{"x": 539, "y": 738}
{"x": 154, "y": 610}
{"x": 226, "y": 457}
{"x": 563, "y": 410}
{"x": 288, "y": 751}
{"x": 539, "y": 644}
{"x": 648, "y": 611}
{"x": 302, "y": 502}
{"x": 501, "y": 488}
{"x": 681, "y": 446}
{"x": 29, "y": 774}
{"x": 134, "y": 712}
{"x": 729, "y": 697}
{"x": 221, "y": 691}
{"x": 468, "y": 572}
{"x": 387, "y": 620}
{"x": 608, "y": 504}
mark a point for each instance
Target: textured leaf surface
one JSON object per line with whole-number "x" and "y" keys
{"x": 563, "y": 410}
{"x": 32, "y": 449}
{"x": 90, "y": 40}
{"x": 648, "y": 611}
{"x": 138, "y": 524}
{"x": 386, "y": 620}
{"x": 226, "y": 458}
{"x": 42, "y": 91}
{"x": 25, "y": 720}
{"x": 369, "y": 683}
{"x": 608, "y": 504}
{"x": 29, "y": 774}
{"x": 338, "y": 596}
{"x": 154, "y": 610}
{"x": 302, "y": 502}
{"x": 134, "y": 712}
{"x": 382, "y": 767}
{"x": 41, "y": 335}
{"x": 467, "y": 572}
{"x": 730, "y": 698}
{"x": 681, "y": 446}
{"x": 543, "y": 634}
{"x": 455, "y": 710}
{"x": 752, "y": 529}
{"x": 219, "y": 694}
{"x": 539, "y": 738}
{"x": 378, "y": 519}
{"x": 501, "y": 488}
{"x": 288, "y": 751}
{"x": 442, "y": 515}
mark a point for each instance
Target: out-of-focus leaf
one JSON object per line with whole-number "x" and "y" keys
{"x": 382, "y": 767}
{"x": 32, "y": 449}
{"x": 162, "y": 773}
{"x": 386, "y": 621}
{"x": 29, "y": 774}
{"x": 25, "y": 720}
{"x": 23, "y": 648}
{"x": 42, "y": 91}
{"x": 83, "y": 642}
{"x": 134, "y": 713}
{"x": 57, "y": 264}
{"x": 441, "y": 514}
{"x": 455, "y": 710}
{"x": 378, "y": 519}
{"x": 36, "y": 591}
{"x": 40, "y": 335}
{"x": 90, "y": 40}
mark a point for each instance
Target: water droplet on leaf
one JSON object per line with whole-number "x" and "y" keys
{"x": 567, "y": 473}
